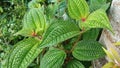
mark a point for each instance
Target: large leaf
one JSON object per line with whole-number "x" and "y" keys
{"x": 54, "y": 58}
{"x": 88, "y": 50}
{"x": 97, "y": 19}
{"x": 59, "y": 31}
{"x": 74, "y": 64}
{"x": 33, "y": 23}
{"x": 97, "y": 4}
{"x": 23, "y": 53}
{"x": 78, "y": 9}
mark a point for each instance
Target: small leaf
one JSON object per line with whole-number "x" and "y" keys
{"x": 88, "y": 50}
{"x": 59, "y": 31}
{"x": 23, "y": 53}
{"x": 54, "y": 58}
{"x": 97, "y": 19}
{"x": 34, "y": 4}
{"x": 51, "y": 10}
{"x": 78, "y": 9}
{"x": 74, "y": 64}
{"x": 34, "y": 22}
{"x": 109, "y": 65}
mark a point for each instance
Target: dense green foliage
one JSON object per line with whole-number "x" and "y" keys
{"x": 51, "y": 33}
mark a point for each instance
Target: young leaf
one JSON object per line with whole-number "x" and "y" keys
{"x": 51, "y": 10}
{"x": 34, "y": 22}
{"x": 88, "y": 50}
{"x": 34, "y": 4}
{"x": 97, "y": 19}
{"x": 109, "y": 65}
{"x": 23, "y": 53}
{"x": 59, "y": 31}
{"x": 74, "y": 64}
{"x": 109, "y": 54}
{"x": 78, "y": 9}
{"x": 54, "y": 58}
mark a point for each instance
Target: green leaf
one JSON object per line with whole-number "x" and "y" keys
{"x": 74, "y": 64}
{"x": 78, "y": 9}
{"x": 109, "y": 65}
{"x": 97, "y": 4}
{"x": 59, "y": 31}
{"x": 91, "y": 34}
{"x": 51, "y": 10}
{"x": 62, "y": 8}
{"x": 109, "y": 54}
{"x": 34, "y": 22}
{"x": 23, "y": 53}
{"x": 97, "y": 19}
{"x": 54, "y": 58}
{"x": 88, "y": 50}
{"x": 115, "y": 54}
{"x": 34, "y": 4}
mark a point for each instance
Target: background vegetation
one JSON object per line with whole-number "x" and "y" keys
{"x": 11, "y": 21}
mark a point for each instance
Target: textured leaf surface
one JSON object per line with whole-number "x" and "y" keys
{"x": 91, "y": 34}
{"x": 54, "y": 58}
{"x": 97, "y": 19}
{"x": 59, "y": 31}
{"x": 23, "y": 53}
{"x": 51, "y": 10}
{"x": 74, "y": 64}
{"x": 33, "y": 22}
{"x": 88, "y": 50}
{"x": 78, "y": 9}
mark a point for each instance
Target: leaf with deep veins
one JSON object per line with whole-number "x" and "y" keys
{"x": 59, "y": 31}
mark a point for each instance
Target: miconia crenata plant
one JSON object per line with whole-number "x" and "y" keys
{"x": 34, "y": 23}
{"x": 53, "y": 41}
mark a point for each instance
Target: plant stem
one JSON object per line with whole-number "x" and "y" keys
{"x": 75, "y": 43}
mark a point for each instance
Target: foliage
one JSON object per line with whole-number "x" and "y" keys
{"x": 114, "y": 57}
{"x": 54, "y": 33}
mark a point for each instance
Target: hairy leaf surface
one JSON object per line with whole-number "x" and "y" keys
{"x": 78, "y": 9}
{"x": 88, "y": 50}
{"x": 54, "y": 58}
{"x": 97, "y": 19}
{"x": 34, "y": 22}
{"x": 59, "y": 31}
{"x": 23, "y": 53}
